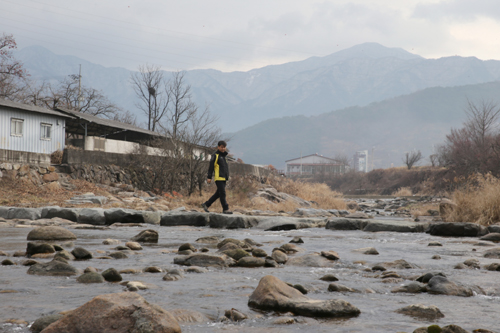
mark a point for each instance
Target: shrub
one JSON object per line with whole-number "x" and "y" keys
{"x": 56, "y": 157}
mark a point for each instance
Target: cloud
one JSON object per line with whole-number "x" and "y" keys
{"x": 460, "y": 10}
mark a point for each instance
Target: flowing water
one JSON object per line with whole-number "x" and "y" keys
{"x": 222, "y": 289}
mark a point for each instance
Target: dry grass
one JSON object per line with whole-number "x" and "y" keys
{"x": 423, "y": 209}
{"x": 478, "y": 202}
{"x": 403, "y": 192}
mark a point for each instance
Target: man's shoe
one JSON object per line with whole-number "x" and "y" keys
{"x": 227, "y": 212}
{"x": 205, "y": 207}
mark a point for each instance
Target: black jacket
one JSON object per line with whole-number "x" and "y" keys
{"x": 218, "y": 166}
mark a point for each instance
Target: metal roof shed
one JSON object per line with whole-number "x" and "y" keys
{"x": 29, "y": 128}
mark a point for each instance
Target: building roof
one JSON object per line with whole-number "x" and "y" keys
{"x": 32, "y": 108}
{"x": 105, "y": 127}
{"x": 327, "y": 158}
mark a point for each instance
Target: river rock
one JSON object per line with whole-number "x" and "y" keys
{"x": 493, "y": 267}
{"x": 208, "y": 240}
{"x": 236, "y": 254}
{"x": 222, "y": 221}
{"x": 186, "y": 246}
{"x": 412, "y": 287}
{"x": 231, "y": 240}
{"x": 29, "y": 262}
{"x": 41, "y": 323}
{"x": 34, "y": 248}
{"x": 341, "y": 223}
{"x": 7, "y": 262}
{"x": 81, "y": 254}
{"x": 311, "y": 260}
{"x": 90, "y": 277}
{"x": 118, "y": 255}
{"x": 329, "y": 278}
{"x": 228, "y": 247}
{"x": 367, "y": 250}
{"x": 195, "y": 269}
{"x": 260, "y": 253}
{"x": 428, "y": 276}
{"x": 235, "y": 315}
{"x": 111, "y": 275}
{"x": 434, "y": 243}
{"x": 251, "y": 262}
{"x": 472, "y": 263}
{"x": 133, "y": 246}
{"x": 64, "y": 254}
{"x": 492, "y": 253}
{"x": 277, "y": 223}
{"x": 135, "y": 285}
{"x": 291, "y": 248}
{"x": 53, "y": 268}
{"x": 51, "y": 233}
{"x": 94, "y": 216}
{"x": 452, "y": 229}
{"x": 153, "y": 269}
{"x": 272, "y": 294}
{"x": 70, "y": 214}
{"x": 119, "y": 312}
{"x": 336, "y": 287}
{"x": 194, "y": 219}
{"x": 332, "y": 255}
{"x": 109, "y": 241}
{"x": 491, "y": 228}
{"x": 122, "y": 215}
{"x": 204, "y": 260}
{"x": 280, "y": 257}
{"x": 398, "y": 264}
{"x": 493, "y": 237}
{"x": 173, "y": 275}
{"x": 146, "y": 236}
{"x": 358, "y": 215}
{"x": 443, "y": 286}
{"x": 430, "y": 312}
{"x": 25, "y": 213}
{"x": 453, "y": 329}
{"x": 297, "y": 240}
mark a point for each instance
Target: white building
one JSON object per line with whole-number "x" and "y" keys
{"x": 313, "y": 164}
{"x": 361, "y": 161}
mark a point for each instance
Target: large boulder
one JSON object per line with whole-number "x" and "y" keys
{"x": 222, "y": 221}
{"x": 41, "y": 323}
{"x": 395, "y": 226}
{"x": 493, "y": 253}
{"x": 53, "y": 268}
{"x": 443, "y": 286}
{"x": 70, "y": 214}
{"x": 451, "y": 229}
{"x": 272, "y": 294}
{"x": 94, "y": 216}
{"x": 194, "y": 219}
{"x": 430, "y": 312}
{"x": 119, "y": 312}
{"x": 494, "y": 237}
{"x": 340, "y": 223}
{"x": 204, "y": 260}
{"x": 277, "y": 223}
{"x": 25, "y": 213}
{"x": 34, "y": 248}
{"x": 51, "y": 233}
{"x": 122, "y": 215}
{"x": 146, "y": 236}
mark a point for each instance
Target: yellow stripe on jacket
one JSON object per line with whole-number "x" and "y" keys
{"x": 216, "y": 169}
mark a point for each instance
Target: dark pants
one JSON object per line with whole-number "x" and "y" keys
{"x": 220, "y": 194}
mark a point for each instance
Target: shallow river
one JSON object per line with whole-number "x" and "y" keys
{"x": 222, "y": 289}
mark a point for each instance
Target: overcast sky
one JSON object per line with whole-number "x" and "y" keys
{"x": 231, "y": 35}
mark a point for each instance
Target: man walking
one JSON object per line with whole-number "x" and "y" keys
{"x": 219, "y": 168}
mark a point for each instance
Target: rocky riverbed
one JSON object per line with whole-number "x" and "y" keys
{"x": 315, "y": 272}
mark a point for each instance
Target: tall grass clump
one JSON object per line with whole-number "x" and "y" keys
{"x": 402, "y": 192}
{"x": 477, "y": 202}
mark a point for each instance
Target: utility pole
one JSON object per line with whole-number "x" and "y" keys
{"x": 301, "y": 162}
{"x": 80, "y": 98}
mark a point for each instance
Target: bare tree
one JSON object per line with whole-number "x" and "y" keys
{"x": 434, "y": 159}
{"x": 12, "y": 72}
{"x": 412, "y": 158}
{"x": 150, "y": 86}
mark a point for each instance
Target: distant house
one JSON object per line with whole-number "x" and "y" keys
{"x": 314, "y": 164}
{"x": 29, "y": 134}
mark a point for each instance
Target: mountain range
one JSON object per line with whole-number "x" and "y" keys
{"x": 329, "y": 95}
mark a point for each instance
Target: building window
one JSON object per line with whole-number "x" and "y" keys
{"x": 46, "y": 130}
{"x": 16, "y": 127}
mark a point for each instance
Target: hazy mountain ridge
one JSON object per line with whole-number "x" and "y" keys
{"x": 356, "y": 76}
{"x": 391, "y": 127}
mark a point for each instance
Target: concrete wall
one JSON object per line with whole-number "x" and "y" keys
{"x": 73, "y": 156}
{"x": 23, "y": 157}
